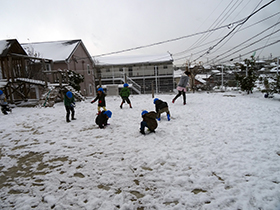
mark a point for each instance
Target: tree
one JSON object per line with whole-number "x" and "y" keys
{"x": 74, "y": 79}
{"x": 272, "y": 85}
{"x": 247, "y": 80}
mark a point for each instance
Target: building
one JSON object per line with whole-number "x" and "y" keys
{"x": 65, "y": 55}
{"x": 143, "y": 73}
{"x": 16, "y": 76}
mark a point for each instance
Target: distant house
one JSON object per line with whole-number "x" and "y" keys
{"x": 143, "y": 73}
{"x": 66, "y": 55}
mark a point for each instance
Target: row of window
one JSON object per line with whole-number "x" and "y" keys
{"x": 130, "y": 69}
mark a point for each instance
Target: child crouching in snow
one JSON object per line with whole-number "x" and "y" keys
{"x": 149, "y": 121}
{"x": 101, "y": 100}
{"x": 102, "y": 118}
{"x": 4, "y": 104}
{"x": 161, "y": 106}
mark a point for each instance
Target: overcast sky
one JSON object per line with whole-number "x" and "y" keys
{"x": 107, "y": 26}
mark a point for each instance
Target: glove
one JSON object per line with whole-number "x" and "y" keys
{"x": 92, "y": 102}
{"x": 73, "y": 105}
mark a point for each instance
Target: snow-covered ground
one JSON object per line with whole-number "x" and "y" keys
{"x": 220, "y": 151}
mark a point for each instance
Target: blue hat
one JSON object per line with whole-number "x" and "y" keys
{"x": 100, "y": 89}
{"x": 1, "y": 92}
{"x": 69, "y": 94}
{"x": 144, "y": 112}
{"x": 155, "y": 100}
{"x": 108, "y": 113}
{"x": 125, "y": 85}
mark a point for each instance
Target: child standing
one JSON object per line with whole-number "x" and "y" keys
{"x": 149, "y": 121}
{"x": 69, "y": 103}
{"x": 101, "y": 100}
{"x": 125, "y": 93}
{"x": 184, "y": 80}
{"x": 161, "y": 106}
{"x": 102, "y": 118}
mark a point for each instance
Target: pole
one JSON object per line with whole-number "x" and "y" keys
{"x": 156, "y": 72}
{"x": 277, "y": 64}
{"x": 223, "y": 77}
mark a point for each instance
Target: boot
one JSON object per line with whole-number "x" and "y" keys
{"x": 168, "y": 117}
{"x": 130, "y": 106}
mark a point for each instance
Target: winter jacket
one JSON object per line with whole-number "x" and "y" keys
{"x": 125, "y": 92}
{"x": 3, "y": 100}
{"x": 68, "y": 101}
{"x": 101, "y": 120}
{"x": 101, "y": 99}
{"x": 150, "y": 118}
{"x": 160, "y": 104}
{"x": 183, "y": 80}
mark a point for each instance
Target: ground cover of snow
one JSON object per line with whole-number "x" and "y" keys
{"x": 220, "y": 151}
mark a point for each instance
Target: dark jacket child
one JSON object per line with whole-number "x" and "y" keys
{"x": 102, "y": 118}
{"x": 149, "y": 121}
{"x": 101, "y": 100}
{"x": 184, "y": 80}
{"x": 4, "y": 104}
{"x": 161, "y": 106}
{"x": 69, "y": 103}
{"x": 125, "y": 93}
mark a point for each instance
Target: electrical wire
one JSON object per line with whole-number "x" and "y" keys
{"x": 240, "y": 24}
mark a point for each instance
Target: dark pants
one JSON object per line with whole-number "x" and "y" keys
{"x": 5, "y": 108}
{"x": 179, "y": 94}
{"x": 143, "y": 124}
{"x": 68, "y": 109}
{"x": 125, "y": 99}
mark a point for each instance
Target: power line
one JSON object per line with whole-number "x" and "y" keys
{"x": 170, "y": 40}
{"x": 245, "y": 28}
{"x": 240, "y": 24}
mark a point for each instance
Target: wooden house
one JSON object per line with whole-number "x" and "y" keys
{"x": 15, "y": 74}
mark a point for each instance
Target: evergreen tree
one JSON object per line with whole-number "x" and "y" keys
{"x": 74, "y": 79}
{"x": 247, "y": 80}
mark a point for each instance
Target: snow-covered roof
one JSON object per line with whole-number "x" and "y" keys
{"x": 132, "y": 59}
{"x": 3, "y": 45}
{"x": 55, "y": 50}
{"x": 275, "y": 69}
{"x": 215, "y": 71}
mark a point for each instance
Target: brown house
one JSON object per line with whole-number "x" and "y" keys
{"x": 66, "y": 55}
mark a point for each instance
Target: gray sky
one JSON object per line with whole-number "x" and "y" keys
{"x": 107, "y": 26}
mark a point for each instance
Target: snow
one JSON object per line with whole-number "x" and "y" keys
{"x": 3, "y": 45}
{"x": 56, "y": 50}
{"x": 132, "y": 59}
{"x": 220, "y": 151}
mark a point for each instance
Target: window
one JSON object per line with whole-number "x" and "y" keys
{"x": 107, "y": 70}
{"x": 165, "y": 67}
{"x": 120, "y": 69}
{"x": 88, "y": 69}
{"x": 48, "y": 67}
{"x": 90, "y": 89}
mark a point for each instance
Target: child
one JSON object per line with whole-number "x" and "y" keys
{"x": 102, "y": 118}
{"x": 161, "y": 107}
{"x": 101, "y": 100}
{"x": 149, "y": 121}
{"x": 4, "y": 104}
{"x": 184, "y": 80}
{"x": 125, "y": 92}
{"x": 69, "y": 103}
